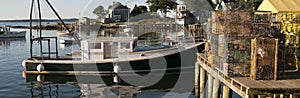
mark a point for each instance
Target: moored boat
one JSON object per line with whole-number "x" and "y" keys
{"x": 5, "y": 32}
{"x": 104, "y": 54}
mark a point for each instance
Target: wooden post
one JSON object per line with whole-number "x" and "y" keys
{"x": 226, "y": 91}
{"x": 49, "y": 49}
{"x": 202, "y": 82}
{"x": 291, "y": 96}
{"x": 197, "y": 73}
{"x": 216, "y": 88}
{"x": 276, "y": 60}
{"x": 210, "y": 85}
{"x": 281, "y": 96}
{"x": 253, "y": 60}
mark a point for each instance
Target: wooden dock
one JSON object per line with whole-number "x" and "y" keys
{"x": 243, "y": 86}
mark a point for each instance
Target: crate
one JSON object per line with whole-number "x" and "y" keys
{"x": 234, "y": 56}
{"x": 264, "y": 59}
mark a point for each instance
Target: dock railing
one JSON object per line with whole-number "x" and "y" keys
{"x": 217, "y": 74}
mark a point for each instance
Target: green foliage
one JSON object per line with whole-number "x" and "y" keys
{"x": 198, "y": 5}
{"x": 115, "y": 3}
{"x": 200, "y": 8}
{"x": 242, "y": 5}
{"x": 100, "y": 11}
{"x": 138, "y": 10}
{"x": 162, "y": 5}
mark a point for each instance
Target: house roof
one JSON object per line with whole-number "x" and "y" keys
{"x": 280, "y": 6}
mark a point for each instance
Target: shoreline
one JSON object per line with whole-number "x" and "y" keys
{"x": 46, "y": 27}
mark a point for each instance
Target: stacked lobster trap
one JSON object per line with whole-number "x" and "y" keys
{"x": 230, "y": 39}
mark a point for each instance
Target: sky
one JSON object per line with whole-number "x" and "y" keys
{"x": 20, "y": 9}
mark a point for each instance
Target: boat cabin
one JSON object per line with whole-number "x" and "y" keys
{"x": 107, "y": 48}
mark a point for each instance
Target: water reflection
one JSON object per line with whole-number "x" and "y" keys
{"x": 90, "y": 86}
{"x": 9, "y": 44}
{"x": 5, "y": 42}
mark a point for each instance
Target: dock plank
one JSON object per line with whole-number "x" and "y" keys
{"x": 292, "y": 84}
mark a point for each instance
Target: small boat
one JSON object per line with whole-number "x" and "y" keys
{"x": 63, "y": 33}
{"x": 5, "y": 32}
{"x": 67, "y": 40}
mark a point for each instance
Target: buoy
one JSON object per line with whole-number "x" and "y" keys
{"x": 117, "y": 68}
{"x": 116, "y": 79}
{"x": 40, "y": 78}
{"x": 24, "y": 74}
{"x": 24, "y": 64}
{"x": 40, "y": 67}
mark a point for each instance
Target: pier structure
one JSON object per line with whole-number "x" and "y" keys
{"x": 243, "y": 86}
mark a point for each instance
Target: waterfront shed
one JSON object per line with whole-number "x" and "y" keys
{"x": 277, "y": 6}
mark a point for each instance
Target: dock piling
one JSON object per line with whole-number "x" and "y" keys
{"x": 210, "y": 85}
{"x": 226, "y": 91}
{"x": 197, "y": 90}
{"x": 202, "y": 82}
{"x": 216, "y": 88}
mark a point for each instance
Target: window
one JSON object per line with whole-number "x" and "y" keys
{"x": 95, "y": 45}
{"x": 125, "y": 45}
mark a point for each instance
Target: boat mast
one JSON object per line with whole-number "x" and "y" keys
{"x": 40, "y": 28}
{"x": 30, "y": 26}
{"x": 69, "y": 30}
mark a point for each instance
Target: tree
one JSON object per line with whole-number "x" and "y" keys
{"x": 138, "y": 10}
{"x": 100, "y": 11}
{"x": 115, "y": 3}
{"x": 200, "y": 8}
{"x": 163, "y": 5}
